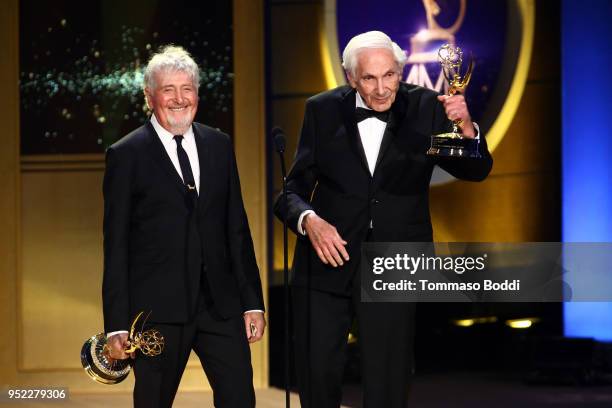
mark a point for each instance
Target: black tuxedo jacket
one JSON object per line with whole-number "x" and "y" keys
{"x": 330, "y": 176}
{"x": 159, "y": 248}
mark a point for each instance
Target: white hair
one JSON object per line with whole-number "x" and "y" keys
{"x": 371, "y": 39}
{"x": 171, "y": 58}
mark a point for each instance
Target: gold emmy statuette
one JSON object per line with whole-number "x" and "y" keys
{"x": 454, "y": 144}
{"x": 96, "y": 360}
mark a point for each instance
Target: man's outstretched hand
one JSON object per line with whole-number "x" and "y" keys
{"x": 325, "y": 240}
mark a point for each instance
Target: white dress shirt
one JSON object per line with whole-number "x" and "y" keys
{"x": 189, "y": 145}
{"x": 371, "y": 133}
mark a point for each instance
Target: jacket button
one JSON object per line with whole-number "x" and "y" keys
{"x": 374, "y": 201}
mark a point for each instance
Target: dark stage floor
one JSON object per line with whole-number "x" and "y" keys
{"x": 492, "y": 390}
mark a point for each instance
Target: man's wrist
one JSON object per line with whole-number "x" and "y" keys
{"x": 468, "y": 129}
{"x": 476, "y": 130}
{"x": 300, "y": 224}
{"x": 305, "y": 220}
{"x": 253, "y": 311}
{"x": 110, "y": 334}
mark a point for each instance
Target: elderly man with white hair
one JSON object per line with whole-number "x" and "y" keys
{"x": 361, "y": 173}
{"x": 177, "y": 244}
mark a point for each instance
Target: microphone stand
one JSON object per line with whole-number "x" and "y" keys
{"x": 279, "y": 143}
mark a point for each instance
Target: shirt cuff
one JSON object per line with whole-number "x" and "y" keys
{"x": 254, "y": 310}
{"x": 299, "y": 223}
{"x": 115, "y": 332}
{"x": 477, "y": 129}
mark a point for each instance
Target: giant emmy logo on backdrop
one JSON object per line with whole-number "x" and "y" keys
{"x": 498, "y": 34}
{"x": 424, "y": 44}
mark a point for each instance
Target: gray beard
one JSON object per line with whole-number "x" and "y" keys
{"x": 179, "y": 127}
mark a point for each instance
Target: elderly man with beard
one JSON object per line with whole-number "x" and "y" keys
{"x": 361, "y": 173}
{"x": 177, "y": 244}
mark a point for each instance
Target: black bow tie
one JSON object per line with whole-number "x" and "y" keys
{"x": 363, "y": 114}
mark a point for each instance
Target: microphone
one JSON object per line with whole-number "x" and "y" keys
{"x": 279, "y": 140}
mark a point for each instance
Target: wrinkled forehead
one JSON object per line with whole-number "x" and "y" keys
{"x": 165, "y": 76}
{"x": 375, "y": 60}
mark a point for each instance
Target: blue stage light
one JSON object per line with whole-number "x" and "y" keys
{"x": 587, "y": 145}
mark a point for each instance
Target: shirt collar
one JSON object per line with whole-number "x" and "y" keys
{"x": 167, "y": 137}
{"x": 359, "y": 102}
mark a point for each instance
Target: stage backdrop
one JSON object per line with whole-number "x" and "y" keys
{"x": 72, "y": 78}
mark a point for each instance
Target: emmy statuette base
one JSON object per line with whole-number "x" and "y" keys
{"x": 454, "y": 145}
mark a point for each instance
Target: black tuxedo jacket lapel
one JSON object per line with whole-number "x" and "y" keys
{"x": 205, "y": 160}
{"x": 160, "y": 156}
{"x": 352, "y": 131}
{"x": 395, "y": 123}
{"x": 396, "y": 117}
